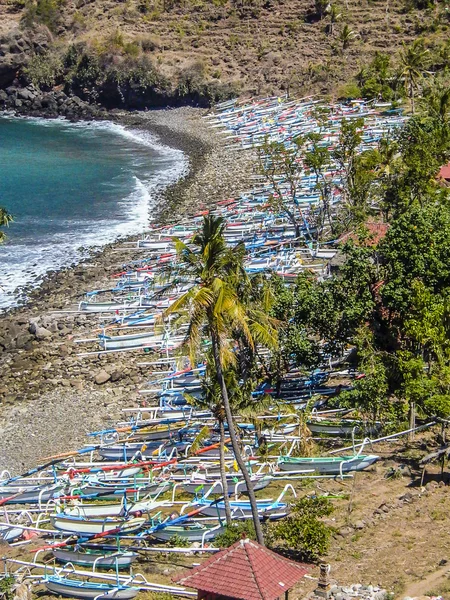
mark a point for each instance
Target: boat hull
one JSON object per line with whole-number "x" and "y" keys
{"x": 328, "y": 466}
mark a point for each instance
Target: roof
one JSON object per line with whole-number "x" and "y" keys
{"x": 444, "y": 172}
{"x": 377, "y": 231}
{"x": 247, "y": 571}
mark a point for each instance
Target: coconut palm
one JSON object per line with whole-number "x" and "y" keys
{"x": 5, "y": 220}
{"x": 346, "y": 36}
{"x": 437, "y": 103}
{"x": 334, "y": 15}
{"x": 413, "y": 61}
{"x": 214, "y": 307}
{"x": 211, "y": 399}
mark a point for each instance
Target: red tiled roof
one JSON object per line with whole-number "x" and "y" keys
{"x": 377, "y": 231}
{"x": 444, "y": 172}
{"x": 247, "y": 571}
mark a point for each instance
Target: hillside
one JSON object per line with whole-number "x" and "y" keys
{"x": 169, "y": 52}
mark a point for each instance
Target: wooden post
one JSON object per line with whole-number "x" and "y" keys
{"x": 412, "y": 421}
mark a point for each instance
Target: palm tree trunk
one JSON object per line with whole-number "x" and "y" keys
{"x": 223, "y": 475}
{"x": 234, "y": 442}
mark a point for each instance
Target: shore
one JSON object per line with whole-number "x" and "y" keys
{"x": 49, "y": 397}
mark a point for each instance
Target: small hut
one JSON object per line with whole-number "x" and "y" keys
{"x": 244, "y": 571}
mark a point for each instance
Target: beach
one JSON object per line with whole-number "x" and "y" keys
{"x": 52, "y": 398}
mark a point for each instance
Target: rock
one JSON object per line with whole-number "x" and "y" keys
{"x": 431, "y": 485}
{"x": 360, "y": 525}
{"x": 116, "y": 375}
{"x": 345, "y": 531}
{"x": 42, "y": 334}
{"x": 65, "y": 350}
{"x": 33, "y": 325}
{"x": 102, "y": 377}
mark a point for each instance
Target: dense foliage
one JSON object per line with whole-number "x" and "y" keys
{"x": 390, "y": 298}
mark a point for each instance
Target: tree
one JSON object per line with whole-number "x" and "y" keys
{"x": 413, "y": 61}
{"x": 303, "y": 530}
{"x": 416, "y": 249}
{"x": 279, "y": 164}
{"x": 211, "y": 399}
{"x": 346, "y": 36}
{"x": 213, "y": 306}
{"x": 5, "y": 220}
{"x": 334, "y": 16}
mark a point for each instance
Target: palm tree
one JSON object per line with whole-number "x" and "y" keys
{"x": 5, "y": 220}
{"x": 413, "y": 60}
{"x": 346, "y": 36}
{"x": 214, "y": 307}
{"x": 335, "y": 15}
{"x": 437, "y": 103}
{"x": 211, "y": 399}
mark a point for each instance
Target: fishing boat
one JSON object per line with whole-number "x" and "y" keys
{"x": 87, "y": 557}
{"x": 88, "y": 590}
{"x": 190, "y": 531}
{"x": 241, "y": 509}
{"x": 201, "y": 486}
{"x": 29, "y": 494}
{"x": 10, "y": 533}
{"x": 342, "y": 427}
{"x": 330, "y": 465}
{"x": 78, "y": 525}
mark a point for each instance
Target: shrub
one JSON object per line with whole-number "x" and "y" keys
{"x": 47, "y": 12}
{"x": 44, "y": 70}
{"x": 302, "y": 530}
{"x": 350, "y": 90}
{"x": 234, "y": 532}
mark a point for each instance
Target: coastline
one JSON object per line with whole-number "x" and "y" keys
{"x": 45, "y": 388}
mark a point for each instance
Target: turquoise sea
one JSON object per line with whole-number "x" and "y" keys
{"x": 72, "y": 187}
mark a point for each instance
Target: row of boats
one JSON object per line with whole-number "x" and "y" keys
{"x": 153, "y": 477}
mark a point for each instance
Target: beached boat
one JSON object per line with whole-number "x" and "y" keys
{"x": 343, "y": 427}
{"x": 79, "y": 526}
{"x": 192, "y": 532}
{"x": 100, "y": 558}
{"x": 200, "y": 486}
{"x": 330, "y": 465}
{"x": 88, "y": 590}
{"x": 241, "y": 509}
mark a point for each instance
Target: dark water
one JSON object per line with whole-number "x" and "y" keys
{"x": 70, "y": 186}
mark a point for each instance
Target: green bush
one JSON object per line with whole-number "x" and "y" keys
{"x": 44, "y": 70}
{"x": 47, "y": 12}
{"x": 234, "y": 532}
{"x": 302, "y": 530}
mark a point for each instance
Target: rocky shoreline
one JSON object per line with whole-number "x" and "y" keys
{"x": 49, "y": 397}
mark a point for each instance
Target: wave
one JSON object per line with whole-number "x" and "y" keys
{"x": 26, "y": 265}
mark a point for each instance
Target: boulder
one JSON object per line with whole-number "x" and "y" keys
{"x": 42, "y": 334}
{"x": 102, "y": 377}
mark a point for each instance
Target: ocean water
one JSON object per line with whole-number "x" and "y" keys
{"x": 72, "y": 188}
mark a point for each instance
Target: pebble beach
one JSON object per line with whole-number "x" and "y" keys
{"x": 49, "y": 397}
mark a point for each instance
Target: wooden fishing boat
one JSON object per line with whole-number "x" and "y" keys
{"x": 88, "y": 590}
{"x": 90, "y": 557}
{"x": 329, "y": 465}
{"x": 342, "y": 427}
{"x": 10, "y": 533}
{"x": 85, "y": 527}
{"x": 113, "y": 491}
{"x": 89, "y": 511}
{"x": 241, "y": 509}
{"x": 30, "y": 494}
{"x": 190, "y": 531}
{"x": 201, "y": 485}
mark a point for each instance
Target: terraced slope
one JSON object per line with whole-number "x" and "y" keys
{"x": 258, "y": 47}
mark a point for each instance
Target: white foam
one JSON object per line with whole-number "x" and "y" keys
{"x": 25, "y": 265}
